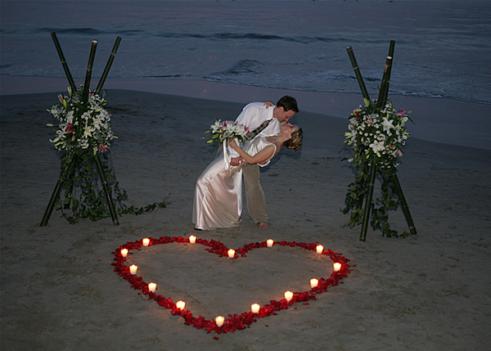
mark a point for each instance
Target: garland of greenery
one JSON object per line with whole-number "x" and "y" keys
{"x": 375, "y": 136}
{"x": 84, "y": 131}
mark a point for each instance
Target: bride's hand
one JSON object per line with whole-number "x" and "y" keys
{"x": 236, "y": 161}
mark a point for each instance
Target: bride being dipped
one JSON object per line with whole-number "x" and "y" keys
{"x": 218, "y": 193}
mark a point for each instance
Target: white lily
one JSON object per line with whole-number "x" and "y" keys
{"x": 387, "y": 125}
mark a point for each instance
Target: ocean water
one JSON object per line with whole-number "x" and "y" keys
{"x": 443, "y": 48}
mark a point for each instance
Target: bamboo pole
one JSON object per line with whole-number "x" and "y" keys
{"x": 107, "y": 193}
{"x": 68, "y": 75}
{"x": 359, "y": 77}
{"x": 404, "y": 206}
{"x": 109, "y": 63}
{"x": 392, "y": 44}
{"x": 88, "y": 72}
{"x": 51, "y": 203}
{"x": 368, "y": 201}
{"x": 384, "y": 87}
{"x": 56, "y": 193}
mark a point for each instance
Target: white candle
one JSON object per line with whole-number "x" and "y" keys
{"x": 336, "y": 266}
{"x": 255, "y": 308}
{"x": 152, "y": 287}
{"x": 124, "y": 252}
{"x": 288, "y": 296}
{"x": 180, "y": 305}
{"x": 192, "y": 239}
{"x": 219, "y": 320}
{"x": 231, "y": 253}
{"x": 146, "y": 241}
{"x": 269, "y": 242}
{"x": 313, "y": 283}
{"x": 319, "y": 249}
{"x": 133, "y": 269}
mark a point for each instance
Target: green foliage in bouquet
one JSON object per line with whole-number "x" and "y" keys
{"x": 376, "y": 137}
{"x": 83, "y": 135}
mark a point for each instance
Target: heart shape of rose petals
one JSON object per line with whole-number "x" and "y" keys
{"x": 231, "y": 322}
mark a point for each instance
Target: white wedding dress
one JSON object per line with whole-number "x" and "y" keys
{"x": 218, "y": 194}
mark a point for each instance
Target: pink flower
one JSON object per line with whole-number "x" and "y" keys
{"x": 69, "y": 129}
{"x": 103, "y": 148}
{"x": 401, "y": 113}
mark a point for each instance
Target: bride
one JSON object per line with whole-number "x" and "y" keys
{"x": 218, "y": 193}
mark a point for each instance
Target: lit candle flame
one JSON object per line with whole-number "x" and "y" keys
{"x": 314, "y": 282}
{"x": 231, "y": 253}
{"x": 255, "y": 308}
{"x": 319, "y": 249}
{"x": 133, "y": 269}
{"x": 180, "y": 305}
{"x": 219, "y": 320}
{"x": 124, "y": 252}
{"x": 269, "y": 242}
{"x": 152, "y": 287}
{"x": 146, "y": 241}
{"x": 336, "y": 266}
{"x": 192, "y": 239}
{"x": 288, "y": 296}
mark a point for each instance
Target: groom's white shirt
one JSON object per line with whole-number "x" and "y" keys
{"x": 252, "y": 116}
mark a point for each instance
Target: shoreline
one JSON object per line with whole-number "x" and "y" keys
{"x": 440, "y": 120}
{"x": 196, "y": 88}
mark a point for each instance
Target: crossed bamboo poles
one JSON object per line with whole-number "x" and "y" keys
{"x": 379, "y": 105}
{"x": 85, "y": 96}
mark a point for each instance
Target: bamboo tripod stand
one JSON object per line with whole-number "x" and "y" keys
{"x": 379, "y": 105}
{"x": 66, "y": 174}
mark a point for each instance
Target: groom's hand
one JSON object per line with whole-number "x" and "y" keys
{"x": 235, "y": 161}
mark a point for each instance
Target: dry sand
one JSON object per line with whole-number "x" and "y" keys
{"x": 426, "y": 292}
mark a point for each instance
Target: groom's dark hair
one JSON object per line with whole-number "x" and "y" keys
{"x": 288, "y": 103}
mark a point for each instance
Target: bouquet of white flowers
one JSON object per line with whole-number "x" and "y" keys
{"x": 222, "y": 130}
{"x": 378, "y": 135}
{"x": 81, "y": 126}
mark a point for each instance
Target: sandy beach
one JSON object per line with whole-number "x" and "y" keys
{"x": 424, "y": 292}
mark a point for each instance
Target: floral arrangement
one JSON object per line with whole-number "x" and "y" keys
{"x": 223, "y": 130}
{"x": 81, "y": 126}
{"x": 375, "y": 136}
{"x": 235, "y": 321}
{"x": 84, "y": 132}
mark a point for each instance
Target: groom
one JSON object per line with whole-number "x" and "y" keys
{"x": 265, "y": 120}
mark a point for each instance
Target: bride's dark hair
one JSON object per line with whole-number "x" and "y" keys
{"x": 295, "y": 142}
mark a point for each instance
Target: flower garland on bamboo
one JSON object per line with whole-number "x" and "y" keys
{"x": 231, "y": 322}
{"x": 84, "y": 131}
{"x": 375, "y": 136}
